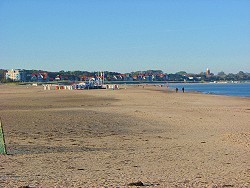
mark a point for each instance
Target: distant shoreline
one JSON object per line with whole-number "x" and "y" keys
{"x": 222, "y": 89}
{"x": 135, "y": 82}
{"x": 211, "y": 88}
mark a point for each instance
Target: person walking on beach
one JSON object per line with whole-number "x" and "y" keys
{"x": 183, "y": 89}
{"x": 176, "y": 90}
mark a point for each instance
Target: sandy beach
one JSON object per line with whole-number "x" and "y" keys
{"x": 110, "y": 138}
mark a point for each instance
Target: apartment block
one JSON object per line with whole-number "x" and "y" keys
{"x": 16, "y": 75}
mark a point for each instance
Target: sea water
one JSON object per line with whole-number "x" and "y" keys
{"x": 230, "y": 89}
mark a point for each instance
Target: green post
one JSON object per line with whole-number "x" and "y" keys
{"x": 2, "y": 141}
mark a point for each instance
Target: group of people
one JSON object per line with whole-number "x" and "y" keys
{"x": 183, "y": 90}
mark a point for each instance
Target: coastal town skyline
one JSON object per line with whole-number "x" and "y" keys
{"x": 22, "y": 75}
{"x": 125, "y": 36}
{"x": 204, "y": 70}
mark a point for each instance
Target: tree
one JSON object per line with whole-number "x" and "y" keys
{"x": 231, "y": 77}
{"x": 221, "y": 76}
{"x": 241, "y": 75}
{"x": 182, "y": 73}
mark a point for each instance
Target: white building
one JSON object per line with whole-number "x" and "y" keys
{"x": 16, "y": 75}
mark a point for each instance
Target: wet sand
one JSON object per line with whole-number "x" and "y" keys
{"x": 110, "y": 138}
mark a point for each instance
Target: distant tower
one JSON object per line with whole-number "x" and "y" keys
{"x": 207, "y": 72}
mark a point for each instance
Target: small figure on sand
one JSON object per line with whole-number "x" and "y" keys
{"x": 176, "y": 90}
{"x": 183, "y": 90}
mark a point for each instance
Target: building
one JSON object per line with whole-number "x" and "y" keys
{"x": 208, "y": 73}
{"x": 16, "y": 75}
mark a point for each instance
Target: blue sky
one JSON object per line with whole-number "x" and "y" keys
{"x": 125, "y": 35}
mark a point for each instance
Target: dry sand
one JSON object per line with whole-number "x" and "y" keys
{"x": 106, "y": 138}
